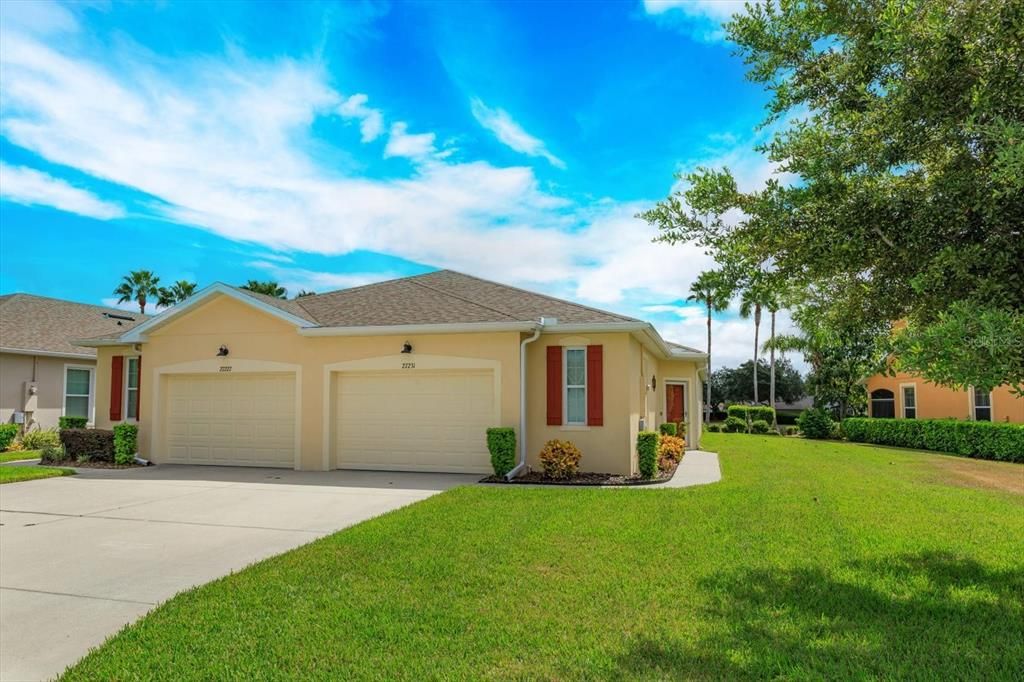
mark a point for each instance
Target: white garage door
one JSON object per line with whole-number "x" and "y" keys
{"x": 239, "y": 419}
{"x": 421, "y": 421}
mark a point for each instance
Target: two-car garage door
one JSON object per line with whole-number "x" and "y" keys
{"x": 239, "y": 419}
{"x": 414, "y": 421}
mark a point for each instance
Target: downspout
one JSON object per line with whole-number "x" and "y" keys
{"x": 522, "y": 401}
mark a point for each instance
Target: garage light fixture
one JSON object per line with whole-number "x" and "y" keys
{"x": 406, "y": 347}
{"x": 222, "y": 352}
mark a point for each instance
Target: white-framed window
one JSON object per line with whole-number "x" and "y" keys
{"x": 131, "y": 389}
{"x": 909, "y": 394}
{"x": 981, "y": 406}
{"x": 79, "y": 385}
{"x": 574, "y": 380}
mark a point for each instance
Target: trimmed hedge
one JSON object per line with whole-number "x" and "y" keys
{"x": 72, "y": 422}
{"x": 97, "y": 444}
{"x": 760, "y": 426}
{"x": 735, "y": 425}
{"x": 815, "y": 423}
{"x": 668, "y": 429}
{"x": 647, "y": 453}
{"x": 714, "y": 428}
{"x": 983, "y": 440}
{"x": 750, "y": 414}
{"x": 126, "y": 438}
{"x": 501, "y": 443}
{"x": 8, "y": 432}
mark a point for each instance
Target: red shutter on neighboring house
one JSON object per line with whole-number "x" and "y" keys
{"x": 554, "y": 385}
{"x": 595, "y": 385}
{"x": 116, "y": 386}
{"x": 138, "y": 384}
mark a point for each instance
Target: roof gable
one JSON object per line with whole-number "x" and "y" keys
{"x": 50, "y": 325}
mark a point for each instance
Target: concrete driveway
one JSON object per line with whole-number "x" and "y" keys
{"x": 82, "y": 556}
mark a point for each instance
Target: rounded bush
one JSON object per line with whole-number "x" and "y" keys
{"x": 560, "y": 459}
{"x": 760, "y": 426}
{"x": 668, "y": 429}
{"x": 39, "y": 440}
{"x": 815, "y": 423}
{"x": 8, "y": 432}
{"x": 670, "y": 451}
{"x": 714, "y": 428}
{"x": 735, "y": 425}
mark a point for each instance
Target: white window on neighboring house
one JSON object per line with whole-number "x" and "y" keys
{"x": 78, "y": 391}
{"x": 909, "y": 400}
{"x": 131, "y": 389}
{"x": 575, "y": 382}
{"x": 981, "y": 405}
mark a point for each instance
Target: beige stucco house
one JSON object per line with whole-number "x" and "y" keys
{"x": 402, "y": 375}
{"x": 43, "y": 376}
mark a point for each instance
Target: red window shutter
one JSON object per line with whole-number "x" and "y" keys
{"x": 595, "y": 385}
{"x": 116, "y": 386}
{"x": 138, "y": 384}
{"x": 554, "y": 385}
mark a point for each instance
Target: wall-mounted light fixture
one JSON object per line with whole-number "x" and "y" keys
{"x": 654, "y": 383}
{"x": 406, "y": 347}
{"x": 222, "y": 352}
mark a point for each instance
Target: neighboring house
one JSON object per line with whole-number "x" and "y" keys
{"x": 905, "y": 396}
{"x": 42, "y": 374}
{"x": 401, "y": 375}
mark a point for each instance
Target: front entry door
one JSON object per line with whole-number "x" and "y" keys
{"x": 674, "y": 403}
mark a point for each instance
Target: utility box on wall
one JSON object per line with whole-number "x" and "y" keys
{"x": 31, "y": 398}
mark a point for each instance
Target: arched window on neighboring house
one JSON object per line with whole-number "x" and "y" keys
{"x": 883, "y": 403}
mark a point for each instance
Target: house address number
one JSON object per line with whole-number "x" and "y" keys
{"x": 226, "y": 368}
{"x": 408, "y": 365}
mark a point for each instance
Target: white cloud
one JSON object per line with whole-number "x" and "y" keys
{"x": 299, "y": 279}
{"x": 131, "y": 306}
{"x": 732, "y": 338}
{"x": 401, "y": 143}
{"x": 371, "y": 121}
{"x": 510, "y": 133}
{"x": 31, "y": 187}
{"x": 702, "y": 19}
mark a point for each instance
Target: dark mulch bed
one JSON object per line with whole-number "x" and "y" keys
{"x": 585, "y": 478}
{"x": 92, "y": 464}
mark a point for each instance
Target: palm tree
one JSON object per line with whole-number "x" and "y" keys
{"x": 305, "y": 292}
{"x": 176, "y": 293}
{"x": 754, "y": 298}
{"x": 268, "y": 288}
{"x": 137, "y": 285}
{"x": 711, "y": 289}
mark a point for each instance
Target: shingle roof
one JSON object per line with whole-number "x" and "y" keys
{"x": 289, "y": 306}
{"x": 442, "y": 297}
{"x": 38, "y": 323}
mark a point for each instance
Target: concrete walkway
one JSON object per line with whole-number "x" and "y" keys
{"x": 697, "y": 468}
{"x": 81, "y": 556}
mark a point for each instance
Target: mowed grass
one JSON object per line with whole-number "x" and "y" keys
{"x": 812, "y": 560}
{"x": 16, "y": 474}
{"x": 18, "y": 455}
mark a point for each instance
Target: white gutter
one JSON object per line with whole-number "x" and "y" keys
{"x": 522, "y": 401}
{"x": 48, "y": 353}
{"x": 99, "y": 343}
{"x": 402, "y": 329}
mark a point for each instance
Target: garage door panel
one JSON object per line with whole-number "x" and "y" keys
{"x": 239, "y": 419}
{"x": 423, "y": 421}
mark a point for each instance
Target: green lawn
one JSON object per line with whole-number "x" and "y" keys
{"x": 15, "y": 456}
{"x": 16, "y": 474}
{"x": 809, "y": 560}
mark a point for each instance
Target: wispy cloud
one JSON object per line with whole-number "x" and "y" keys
{"x": 299, "y": 279}
{"x": 24, "y": 185}
{"x": 510, "y": 133}
{"x": 371, "y": 121}
{"x": 402, "y": 143}
{"x": 702, "y": 19}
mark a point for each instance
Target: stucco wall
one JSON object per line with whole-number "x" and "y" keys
{"x": 683, "y": 371}
{"x": 16, "y": 369}
{"x": 939, "y": 402}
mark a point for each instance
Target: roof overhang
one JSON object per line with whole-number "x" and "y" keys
{"x": 48, "y": 353}
{"x": 138, "y": 333}
{"x": 401, "y": 329}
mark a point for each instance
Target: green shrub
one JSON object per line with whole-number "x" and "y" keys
{"x": 815, "y": 423}
{"x": 735, "y": 425}
{"x": 72, "y": 422}
{"x": 501, "y": 443}
{"x": 790, "y": 430}
{"x": 760, "y": 426}
{"x": 668, "y": 429}
{"x": 52, "y": 454}
{"x": 647, "y": 453}
{"x": 96, "y": 444}
{"x": 37, "y": 440}
{"x": 560, "y": 459}
{"x": 714, "y": 428}
{"x": 126, "y": 438}
{"x": 738, "y": 411}
{"x": 8, "y": 432}
{"x": 670, "y": 451}
{"x": 761, "y": 412}
{"x": 984, "y": 440}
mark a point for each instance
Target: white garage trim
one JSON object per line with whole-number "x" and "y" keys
{"x": 215, "y": 366}
{"x": 398, "y": 362}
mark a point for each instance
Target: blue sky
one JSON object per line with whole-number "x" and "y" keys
{"x": 327, "y": 145}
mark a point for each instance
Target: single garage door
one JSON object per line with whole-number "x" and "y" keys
{"x": 414, "y": 421}
{"x": 234, "y": 419}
